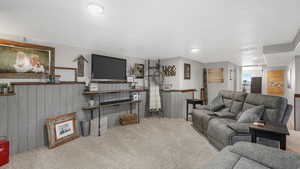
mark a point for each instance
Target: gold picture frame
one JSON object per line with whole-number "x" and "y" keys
{"x": 9, "y": 48}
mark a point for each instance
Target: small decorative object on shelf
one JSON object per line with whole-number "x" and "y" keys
{"x": 93, "y": 87}
{"x": 135, "y": 97}
{"x": 129, "y": 119}
{"x": 87, "y": 83}
{"x": 259, "y": 123}
{"x": 11, "y": 88}
{"x": 51, "y": 79}
{"x": 3, "y": 88}
{"x": 130, "y": 79}
{"x": 92, "y": 102}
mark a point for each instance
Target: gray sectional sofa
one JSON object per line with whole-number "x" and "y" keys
{"x": 245, "y": 155}
{"x": 217, "y": 126}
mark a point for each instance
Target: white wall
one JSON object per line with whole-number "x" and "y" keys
{"x": 196, "y": 81}
{"x": 214, "y": 88}
{"x": 64, "y": 56}
{"x": 290, "y": 92}
{"x": 178, "y": 82}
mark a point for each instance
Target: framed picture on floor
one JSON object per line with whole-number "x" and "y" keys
{"x": 62, "y": 129}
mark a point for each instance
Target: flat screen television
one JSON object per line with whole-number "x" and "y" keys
{"x": 106, "y": 68}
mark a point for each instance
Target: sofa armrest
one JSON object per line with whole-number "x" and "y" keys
{"x": 268, "y": 156}
{"x": 242, "y": 128}
{"x": 202, "y": 107}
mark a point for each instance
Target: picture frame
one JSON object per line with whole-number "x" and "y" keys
{"x": 25, "y": 60}
{"x": 62, "y": 129}
{"x": 139, "y": 71}
{"x": 169, "y": 70}
{"x": 187, "y": 71}
{"x": 215, "y": 75}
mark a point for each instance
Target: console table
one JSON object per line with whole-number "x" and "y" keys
{"x": 111, "y": 103}
{"x": 269, "y": 131}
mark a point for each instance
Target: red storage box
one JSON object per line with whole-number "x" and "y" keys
{"x": 4, "y": 152}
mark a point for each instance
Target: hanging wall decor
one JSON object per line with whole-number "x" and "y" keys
{"x": 216, "y": 75}
{"x": 169, "y": 70}
{"x": 80, "y": 65}
{"x": 275, "y": 82}
{"x": 139, "y": 71}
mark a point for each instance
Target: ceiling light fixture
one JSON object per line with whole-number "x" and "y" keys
{"x": 195, "y": 50}
{"x": 95, "y": 9}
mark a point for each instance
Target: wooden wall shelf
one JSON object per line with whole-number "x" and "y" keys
{"x": 118, "y": 102}
{"x": 110, "y": 103}
{"x": 113, "y": 91}
{"x": 45, "y": 83}
{"x": 109, "y": 82}
{"x": 182, "y": 91}
{"x": 89, "y": 107}
{"x": 8, "y": 94}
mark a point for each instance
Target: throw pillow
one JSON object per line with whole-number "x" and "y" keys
{"x": 252, "y": 114}
{"x": 216, "y": 104}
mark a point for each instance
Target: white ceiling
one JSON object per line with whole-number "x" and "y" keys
{"x": 222, "y": 29}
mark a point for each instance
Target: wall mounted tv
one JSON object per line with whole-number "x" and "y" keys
{"x": 106, "y": 68}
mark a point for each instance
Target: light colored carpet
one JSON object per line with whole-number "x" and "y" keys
{"x": 293, "y": 143}
{"x": 156, "y": 143}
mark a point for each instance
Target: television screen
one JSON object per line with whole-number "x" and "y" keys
{"x": 108, "y": 68}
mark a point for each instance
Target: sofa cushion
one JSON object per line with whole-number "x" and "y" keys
{"x": 227, "y": 97}
{"x": 237, "y": 103}
{"x": 245, "y": 163}
{"x": 224, "y": 160}
{"x": 216, "y": 104}
{"x": 243, "y": 155}
{"x": 275, "y": 106}
{"x": 201, "y": 119}
{"x": 252, "y": 114}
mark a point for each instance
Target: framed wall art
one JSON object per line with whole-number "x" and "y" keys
{"x": 187, "y": 71}
{"x": 62, "y": 129}
{"x": 215, "y": 75}
{"x": 139, "y": 71}
{"x": 275, "y": 82}
{"x": 169, "y": 70}
{"x": 24, "y": 60}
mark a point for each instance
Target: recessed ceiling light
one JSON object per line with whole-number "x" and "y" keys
{"x": 95, "y": 9}
{"x": 195, "y": 50}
